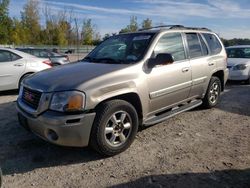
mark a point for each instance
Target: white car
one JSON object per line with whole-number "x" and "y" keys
{"x": 16, "y": 65}
{"x": 239, "y": 62}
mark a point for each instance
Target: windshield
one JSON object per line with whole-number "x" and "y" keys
{"x": 126, "y": 48}
{"x": 238, "y": 52}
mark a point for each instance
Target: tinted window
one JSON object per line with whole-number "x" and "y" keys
{"x": 5, "y": 56}
{"x": 194, "y": 45}
{"x": 124, "y": 48}
{"x": 213, "y": 43}
{"x": 14, "y": 57}
{"x": 171, "y": 43}
{"x": 238, "y": 52}
{"x": 203, "y": 46}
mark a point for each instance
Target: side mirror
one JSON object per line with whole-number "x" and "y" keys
{"x": 161, "y": 59}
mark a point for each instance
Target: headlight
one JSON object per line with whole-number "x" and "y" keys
{"x": 240, "y": 67}
{"x": 68, "y": 101}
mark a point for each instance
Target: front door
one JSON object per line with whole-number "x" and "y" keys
{"x": 169, "y": 84}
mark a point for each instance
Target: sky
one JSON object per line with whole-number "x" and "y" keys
{"x": 228, "y": 18}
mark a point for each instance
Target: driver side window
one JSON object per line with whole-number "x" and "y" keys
{"x": 171, "y": 43}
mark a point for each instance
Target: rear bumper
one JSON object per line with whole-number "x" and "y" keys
{"x": 66, "y": 130}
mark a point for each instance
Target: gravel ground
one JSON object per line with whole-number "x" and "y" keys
{"x": 199, "y": 148}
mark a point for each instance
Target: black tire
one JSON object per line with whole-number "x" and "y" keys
{"x": 248, "y": 81}
{"x": 102, "y": 139}
{"x": 212, "y": 96}
{"x": 55, "y": 64}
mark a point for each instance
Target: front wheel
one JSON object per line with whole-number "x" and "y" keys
{"x": 114, "y": 128}
{"x": 212, "y": 96}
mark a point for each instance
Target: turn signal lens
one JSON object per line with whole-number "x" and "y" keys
{"x": 75, "y": 103}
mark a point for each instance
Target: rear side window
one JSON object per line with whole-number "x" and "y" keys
{"x": 171, "y": 43}
{"x": 194, "y": 45}
{"x": 203, "y": 46}
{"x": 213, "y": 43}
{"x": 6, "y": 56}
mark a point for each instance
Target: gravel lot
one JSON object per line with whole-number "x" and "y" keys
{"x": 199, "y": 148}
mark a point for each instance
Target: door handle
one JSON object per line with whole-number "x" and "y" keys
{"x": 18, "y": 64}
{"x": 210, "y": 63}
{"x": 186, "y": 69}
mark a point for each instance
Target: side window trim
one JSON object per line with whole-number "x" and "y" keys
{"x": 203, "y": 53}
{"x": 187, "y": 46}
{"x": 209, "y": 50}
{"x": 183, "y": 43}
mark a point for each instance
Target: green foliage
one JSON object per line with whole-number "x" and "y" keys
{"x": 87, "y": 32}
{"x": 236, "y": 41}
{"x": 31, "y": 21}
{"x": 132, "y": 27}
{"x": 5, "y": 22}
{"x": 147, "y": 23}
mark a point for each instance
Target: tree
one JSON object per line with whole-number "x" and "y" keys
{"x": 18, "y": 33}
{"x": 87, "y": 32}
{"x": 147, "y": 23}
{"x": 31, "y": 21}
{"x": 5, "y": 22}
{"x": 132, "y": 27}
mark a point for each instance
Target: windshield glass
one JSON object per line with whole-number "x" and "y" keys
{"x": 238, "y": 52}
{"x": 126, "y": 48}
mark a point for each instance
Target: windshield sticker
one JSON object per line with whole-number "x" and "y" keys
{"x": 143, "y": 37}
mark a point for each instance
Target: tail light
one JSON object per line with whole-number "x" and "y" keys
{"x": 48, "y": 62}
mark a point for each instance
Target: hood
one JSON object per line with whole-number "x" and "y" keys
{"x": 70, "y": 76}
{"x": 235, "y": 61}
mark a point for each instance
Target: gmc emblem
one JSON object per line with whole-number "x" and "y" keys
{"x": 29, "y": 96}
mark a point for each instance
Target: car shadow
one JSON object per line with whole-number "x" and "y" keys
{"x": 224, "y": 178}
{"x": 235, "y": 99}
{"x": 9, "y": 92}
{"x": 22, "y": 151}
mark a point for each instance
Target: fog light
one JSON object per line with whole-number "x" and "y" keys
{"x": 52, "y": 135}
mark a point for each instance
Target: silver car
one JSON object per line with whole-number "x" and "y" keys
{"x": 129, "y": 80}
{"x": 55, "y": 58}
{"x": 239, "y": 63}
{"x": 16, "y": 65}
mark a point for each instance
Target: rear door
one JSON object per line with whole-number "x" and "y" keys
{"x": 169, "y": 84}
{"x": 199, "y": 61}
{"x": 12, "y": 67}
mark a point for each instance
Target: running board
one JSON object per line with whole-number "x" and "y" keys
{"x": 177, "y": 110}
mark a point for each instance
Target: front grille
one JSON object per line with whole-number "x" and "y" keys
{"x": 31, "y": 97}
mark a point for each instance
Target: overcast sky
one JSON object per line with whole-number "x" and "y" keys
{"x": 229, "y": 18}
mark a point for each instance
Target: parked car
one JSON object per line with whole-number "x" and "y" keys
{"x": 129, "y": 80}
{"x": 16, "y": 65}
{"x": 56, "y": 58}
{"x": 239, "y": 62}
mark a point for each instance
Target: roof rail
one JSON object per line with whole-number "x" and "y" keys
{"x": 162, "y": 26}
{"x": 176, "y": 27}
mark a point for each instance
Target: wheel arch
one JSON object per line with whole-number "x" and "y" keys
{"x": 220, "y": 74}
{"x": 132, "y": 98}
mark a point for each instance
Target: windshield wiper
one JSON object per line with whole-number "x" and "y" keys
{"x": 109, "y": 60}
{"x": 90, "y": 59}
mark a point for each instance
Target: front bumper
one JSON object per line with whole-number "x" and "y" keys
{"x": 60, "y": 129}
{"x": 238, "y": 74}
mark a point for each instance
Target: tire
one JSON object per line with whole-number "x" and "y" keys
{"x": 212, "y": 96}
{"x": 114, "y": 128}
{"x": 248, "y": 81}
{"x": 22, "y": 78}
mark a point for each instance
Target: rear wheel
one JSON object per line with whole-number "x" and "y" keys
{"x": 248, "y": 80}
{"x": 114, "y": 128}
{"x": 212, "y": 96}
